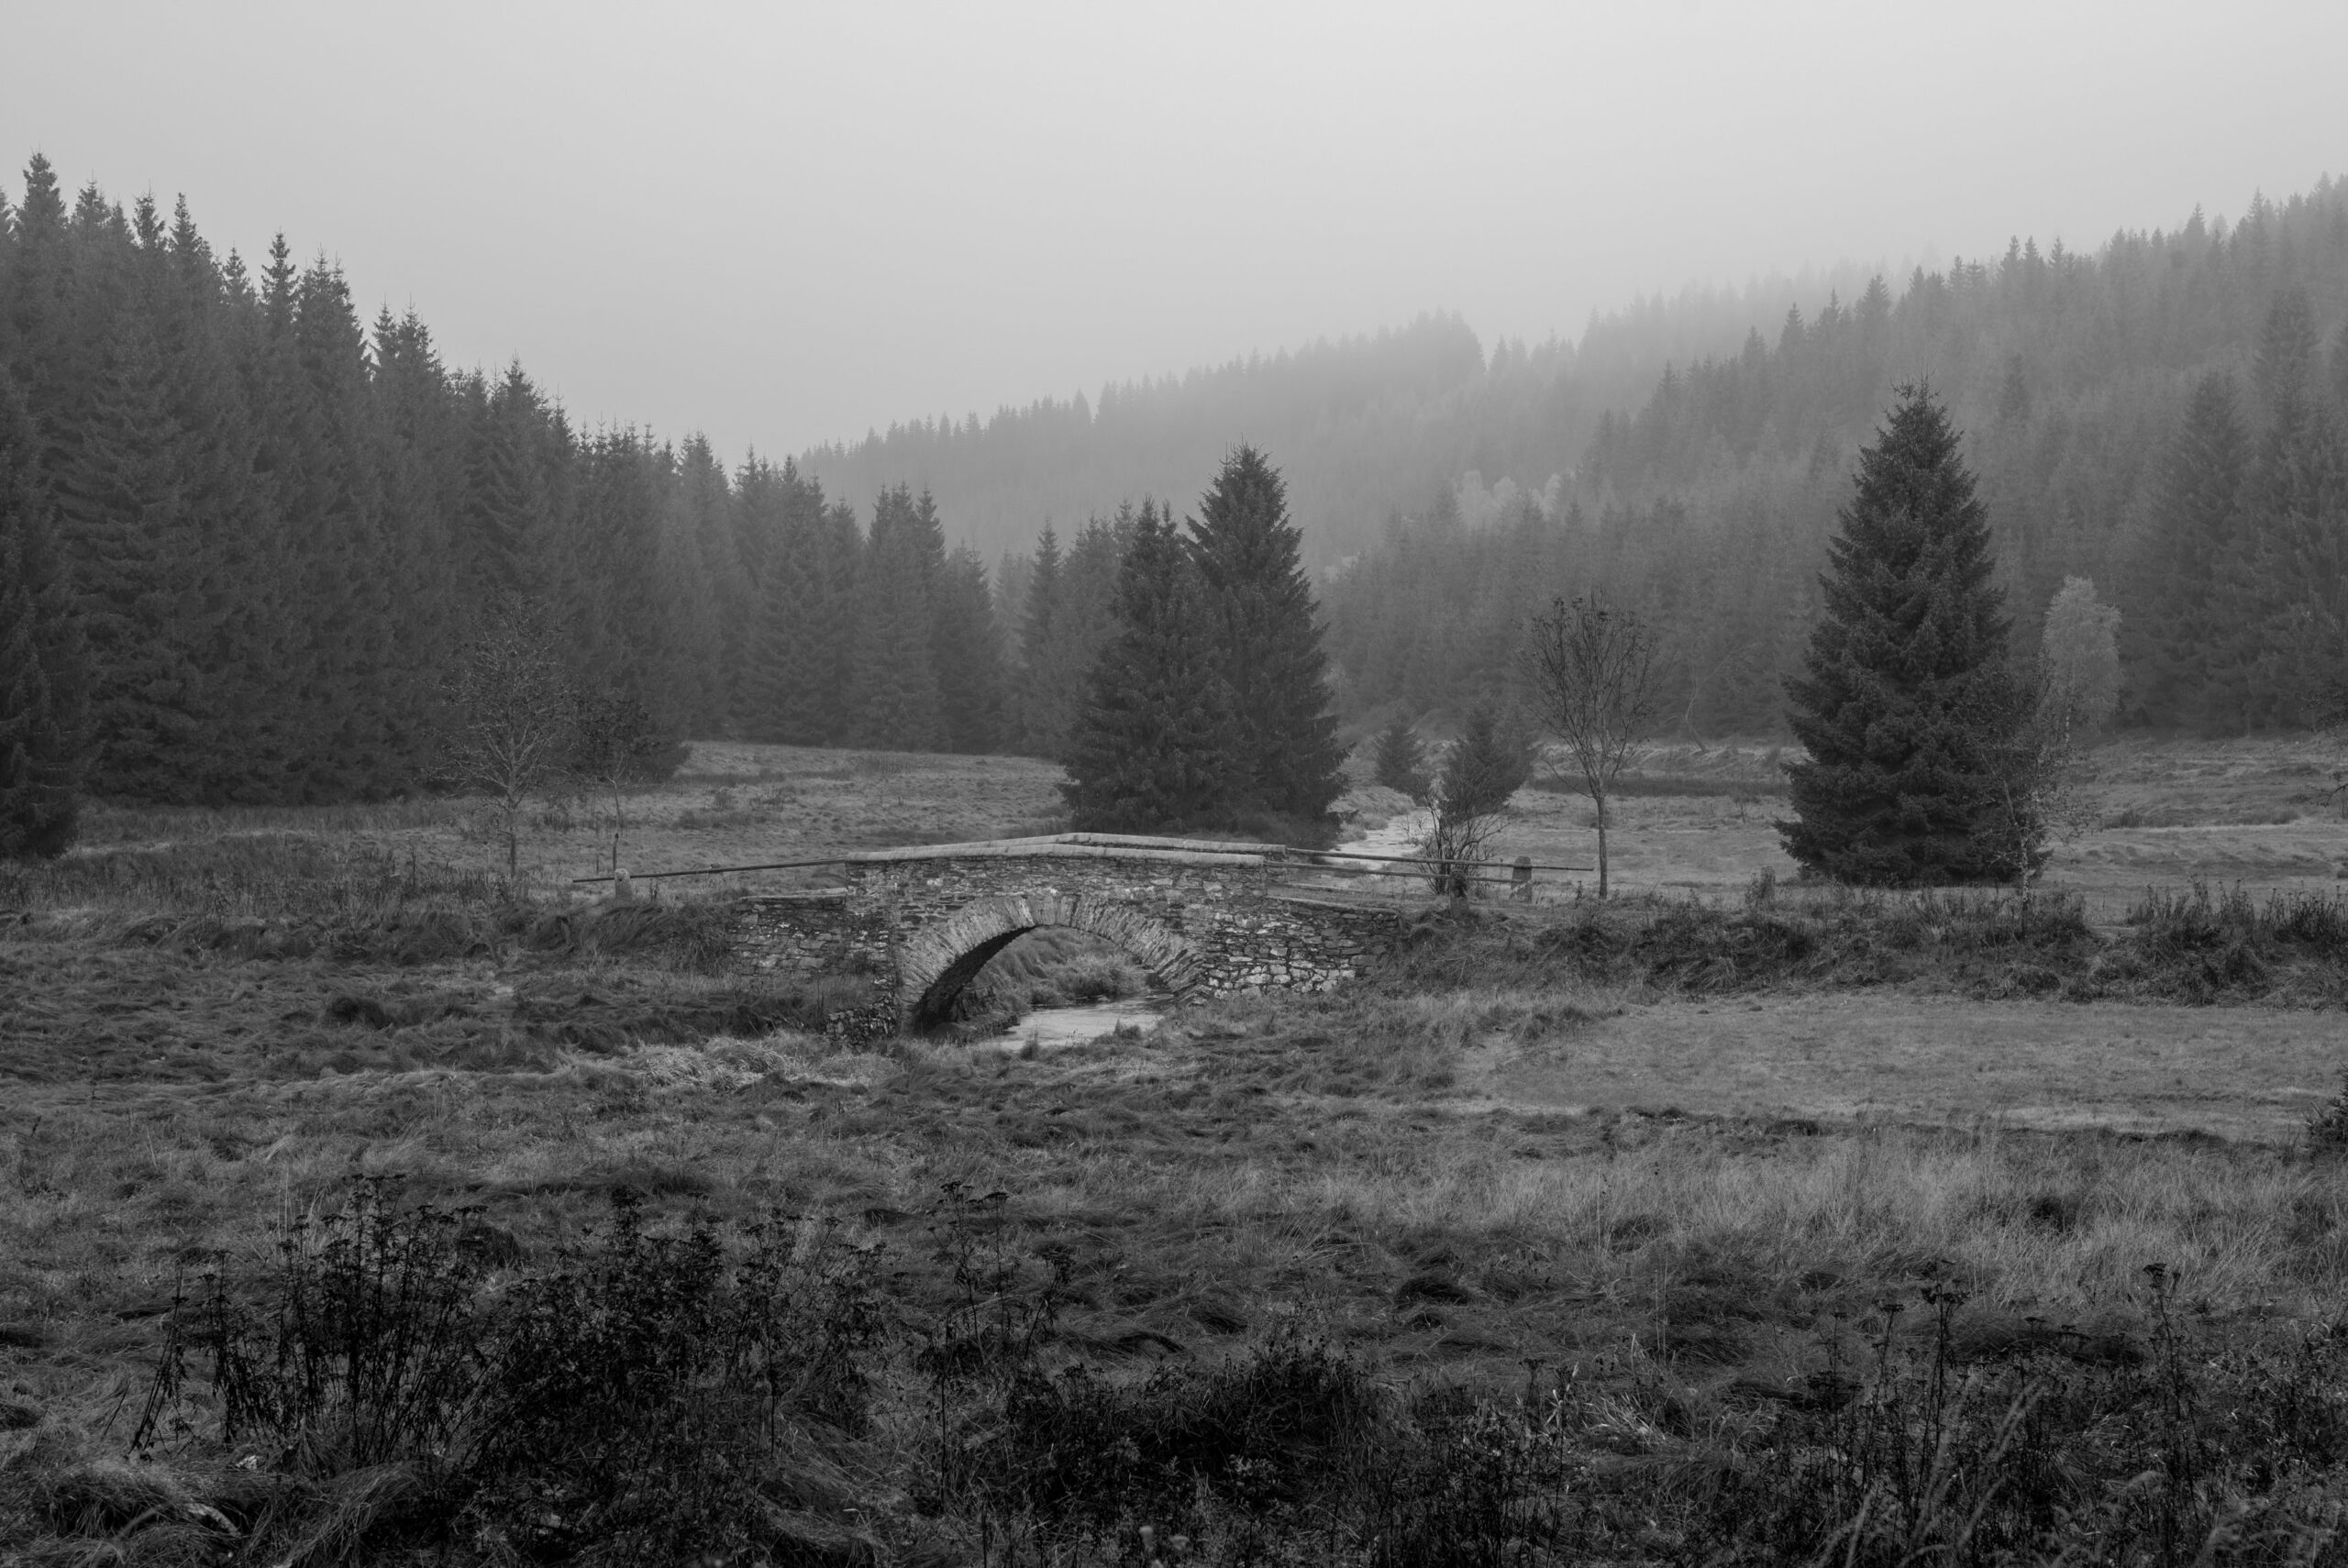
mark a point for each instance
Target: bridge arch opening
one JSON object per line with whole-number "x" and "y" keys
{"x": 942, "y": 960}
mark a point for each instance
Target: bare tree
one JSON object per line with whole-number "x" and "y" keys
{"x": 511, "y": 717}
{"x": 1592, "y": 669}
{"x": 614, "y": 742}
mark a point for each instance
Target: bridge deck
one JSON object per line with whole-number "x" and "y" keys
{"x": 1080, "y": 847}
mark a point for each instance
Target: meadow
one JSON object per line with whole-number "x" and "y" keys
{"x": 1736, "y": 1220}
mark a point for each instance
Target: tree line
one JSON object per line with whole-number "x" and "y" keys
{"x": 244, "y": 536}
{"x": 245, "y": 539}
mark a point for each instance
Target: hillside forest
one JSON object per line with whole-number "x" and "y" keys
{"x": 245, "y": 531}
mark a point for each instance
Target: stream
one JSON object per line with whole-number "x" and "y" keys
{"x": 1079, "y": 1023}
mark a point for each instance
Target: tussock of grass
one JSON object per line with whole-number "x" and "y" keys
{"x": 2202, "y": 946}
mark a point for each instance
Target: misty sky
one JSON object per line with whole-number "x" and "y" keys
{"x": 783, "y": 225}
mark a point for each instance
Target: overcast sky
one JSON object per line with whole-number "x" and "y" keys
{"x": 784, "y": 224}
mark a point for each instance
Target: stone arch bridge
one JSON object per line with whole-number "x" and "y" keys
{"x": 919, "y": 923}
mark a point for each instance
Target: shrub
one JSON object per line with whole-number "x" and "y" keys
{"x": 2053, "y": 1448}
{"x": 366, "y": 1351}
{"x": 654, "y": 1395}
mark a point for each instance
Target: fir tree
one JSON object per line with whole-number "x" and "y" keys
{"x": 1285, "y": 759}
{"x": 1906, "y": 705}
{"x": 508, "y": 522}
{"x": 893, "y": 691}
{"x": 2339, "y": 367}
{"x": 123, "y": 529}
{"x": 968, "y": 649}
{"x": 841, "y": 557}
{"x": 789, "y": 698}
{"x": 1038, "y": 699}
{"x": 2284, "y": 586}
{"x": 1400, "y": 759}
{"x": 2170, "y": 634}
{"x": 1149, "y": 751}
{"x": 1482, "y": 772}
{"x": 43, "y": 685}
{"x": 356, "y": 689}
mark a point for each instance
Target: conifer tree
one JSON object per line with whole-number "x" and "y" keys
{"x": 122, "y": 529}
{"x": 2284, "y": 586}
{"x": 43, "y": 683}
{"x": 1401, "y": 759}
{"x": 1906, "y": 703}
{"x": 509, "y": 518}
{"x": 788, "y": 693}
{"x": 968, "y": 648}
{"x": 841, "y": 557}
{"x": 893, "y": 690}
{"x": 1482, "y": 772}
{"x": 1037, "y": 696}
{"x": 2169, "y": 637}
{"x": 1284, "y": 758}
{"x": 356, "y": 690}
{"x": 1149, "y": 751}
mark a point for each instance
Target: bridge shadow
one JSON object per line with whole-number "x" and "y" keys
{"x": 941, "y": 960}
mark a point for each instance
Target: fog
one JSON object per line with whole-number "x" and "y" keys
{"x": 782, "y": 226}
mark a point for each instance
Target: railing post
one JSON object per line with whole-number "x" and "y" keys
{"x": 1521, "y": 879}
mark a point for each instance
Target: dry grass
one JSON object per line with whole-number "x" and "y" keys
{"x": 1671, "y": 1194}
{"x": 2257, "y": 812}
{"x": 2248, "y": 1074}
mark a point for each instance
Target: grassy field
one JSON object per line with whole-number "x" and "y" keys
{"x": 1646, "y": 1234}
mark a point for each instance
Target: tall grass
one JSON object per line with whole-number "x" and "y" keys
{"x": 260, "y": 874}
{"x": 653, "y": 1394}
{"x": 744, "y": 1395}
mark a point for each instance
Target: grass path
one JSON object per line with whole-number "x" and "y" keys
{"x": 2245, "y": 1074}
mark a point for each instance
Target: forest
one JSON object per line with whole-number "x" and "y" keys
{"x": 2163, "y": 417}
{"x": 245, "y": 534}
{"x": 245, "y": 538}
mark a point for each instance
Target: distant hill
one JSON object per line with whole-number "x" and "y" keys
{"x": 1363, "y": 427}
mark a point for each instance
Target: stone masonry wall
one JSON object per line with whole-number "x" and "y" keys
{"x": 1203, "y": 921}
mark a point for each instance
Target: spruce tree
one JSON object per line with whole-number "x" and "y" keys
{"x": 783, "y": 700}
{"x": 43, "y": 684}
{"x": 1482, "y": 772}
{"x": 123, "y": 529}
{"x": 2171, "y": 630}
{"x": 1906, "y": 705}
{"x": 968, "y": 649}
{"x": 1400, "y": 759}
{"x": 1039, "y": 700}
{"x": 1285, "y": 759}
{"x": 842, "y": 562}
{"x": 894, "y": 689}
{"x": 788, "y": 696}
{"x": 1149, "y": 749}
{"x": 2285, "y": 586}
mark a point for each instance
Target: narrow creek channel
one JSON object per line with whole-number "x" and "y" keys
{"x": 1077, "y": 1024}
{"x": 1049, "y": 1028}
